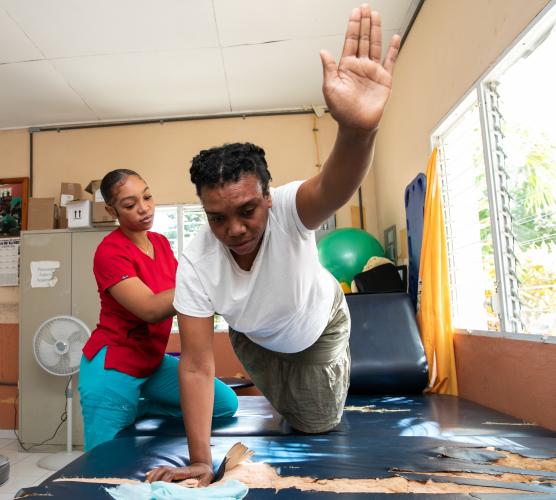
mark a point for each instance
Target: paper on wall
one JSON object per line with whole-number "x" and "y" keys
{"x": 9, "y": 261}
{"x": 42, "y": 273}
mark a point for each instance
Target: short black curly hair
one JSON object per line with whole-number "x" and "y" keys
{"x": 219, "y": 165}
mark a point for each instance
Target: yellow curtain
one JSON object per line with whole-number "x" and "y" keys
{"x": 433, "y": 309}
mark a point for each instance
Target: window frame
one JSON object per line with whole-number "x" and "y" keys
{"x": 180, "y": 208}
{"x": 531, "y": 37}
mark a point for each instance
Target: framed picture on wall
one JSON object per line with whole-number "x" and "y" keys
{"x": 14, "y": 195}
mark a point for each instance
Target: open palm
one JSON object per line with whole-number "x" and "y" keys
{"x": 357, "y": 89}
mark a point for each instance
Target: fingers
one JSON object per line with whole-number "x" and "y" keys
{"x": 364, "y": 34}
{"x": 376, "y": 37}
{"x": 162, "y": 474}
{"x": 200, "y": 474}
{"x": 351, "y": 42}
{"x": 390, "y": 59}
{"x": 364, "y": 31}
{"x": 168, "y": 474}
{"x": 329, "y": 68}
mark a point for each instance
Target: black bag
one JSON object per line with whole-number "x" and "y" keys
{"x": 380, "y": 279}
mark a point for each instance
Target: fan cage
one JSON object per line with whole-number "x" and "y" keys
{"x": 58, "y": 343}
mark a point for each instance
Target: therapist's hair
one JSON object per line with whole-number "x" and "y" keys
{"x": 223, "y": 164}
{"x": 114, "y": 179}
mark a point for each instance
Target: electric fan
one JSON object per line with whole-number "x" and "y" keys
{"x": 57, "y": 348}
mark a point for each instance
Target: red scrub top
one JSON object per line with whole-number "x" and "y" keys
{"x": 135, "y": 347}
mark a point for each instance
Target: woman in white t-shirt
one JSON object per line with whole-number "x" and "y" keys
{"x": 256, "y": 263}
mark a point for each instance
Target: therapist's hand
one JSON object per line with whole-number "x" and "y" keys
{"x": 200, "y": 471}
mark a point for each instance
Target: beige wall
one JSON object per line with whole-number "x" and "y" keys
{"x": 14, "y": 153}
{"x": 516, "y": 377}
{"x": 14, "y": 162}
{"x": 161, "y": 153}
{"x": 451, "y": 44}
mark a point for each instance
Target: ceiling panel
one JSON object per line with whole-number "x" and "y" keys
{"x": 15, "y": 46}
{"x": 68, "y": 28}
{"x": 280, "y": 75}
{"x": 33, "y": 93}
{"x": 276, "y": 75}
{"x": 258, "y": 21}
{"x": 148, "y": 85}
{"x": 107, "y": 60}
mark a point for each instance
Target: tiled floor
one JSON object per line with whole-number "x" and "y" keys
{"x": 24, "y": 470}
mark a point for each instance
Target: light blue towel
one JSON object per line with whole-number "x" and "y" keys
{"x": 160, "y": 490}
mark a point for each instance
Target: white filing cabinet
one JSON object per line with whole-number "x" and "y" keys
{"x": 41, "y": 395}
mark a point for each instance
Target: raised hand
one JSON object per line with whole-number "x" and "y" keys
{"x": 357, "y": 89}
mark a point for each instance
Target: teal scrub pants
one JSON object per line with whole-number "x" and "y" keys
{"x": 112, "y": 400}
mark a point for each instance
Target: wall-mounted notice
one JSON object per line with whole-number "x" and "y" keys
{"x": 9, "y": 261}
{"x": 42, "y": 273}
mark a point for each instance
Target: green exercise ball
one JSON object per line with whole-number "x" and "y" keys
{"x": 344, "y": 252}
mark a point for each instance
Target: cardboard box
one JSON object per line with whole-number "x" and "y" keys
{"x": 62, "y": 220}
{"x": 100, "y": 214}
{"x": 94, "y": 188}
{"x": 41, "y": 213}
{"x": 69, "y": 191}
{"x": 79, "y": 213}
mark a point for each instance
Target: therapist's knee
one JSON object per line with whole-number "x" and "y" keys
{"x": 226, "y": 405}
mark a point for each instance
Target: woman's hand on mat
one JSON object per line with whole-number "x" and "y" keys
{"x": 200, "y": 471}
{"x": 357, "y": 88}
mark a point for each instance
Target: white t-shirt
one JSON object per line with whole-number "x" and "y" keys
{"x": 283, "y": 302}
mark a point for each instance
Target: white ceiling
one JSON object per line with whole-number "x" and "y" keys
{"x": 87, "y": 61}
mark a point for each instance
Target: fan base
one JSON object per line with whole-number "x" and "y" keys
{"x": 58, "y": 460}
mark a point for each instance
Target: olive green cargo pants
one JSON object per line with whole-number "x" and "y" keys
{"x": 308, "y": 388}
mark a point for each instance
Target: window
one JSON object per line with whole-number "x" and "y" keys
{"x": 467, "y": 215}
{"x": 179, "y": 223}
{"x": 497, "y": 159}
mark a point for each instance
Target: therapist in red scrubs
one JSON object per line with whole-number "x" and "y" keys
{"x": 125, "y": 372}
